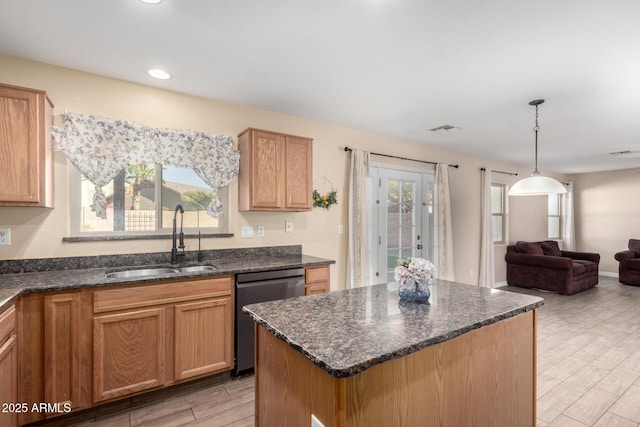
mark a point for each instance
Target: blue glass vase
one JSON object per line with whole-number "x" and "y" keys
{"x": 414, "y": 290}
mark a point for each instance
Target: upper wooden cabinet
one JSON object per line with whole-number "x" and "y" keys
{"x": 26, "y": 152}
{"x": 275, "y": 171}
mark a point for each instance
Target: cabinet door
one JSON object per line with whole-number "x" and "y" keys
{"x": 266, "y": 164}
{"x": 8, "y": 366}
{"x": 316, "y": 280}
{"x": 9, "y": 380}
{"x": 298, "y": 164}
{"x": 61, "y": 349}
{"x": 26, "y": 154}
{"x": 128, "y": 353}
{"x": 203, "y": 337}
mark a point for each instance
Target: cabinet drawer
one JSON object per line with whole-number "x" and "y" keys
{"x": 7, "y": 324}
{"x": 316, "y": 274}
{"x": 163, "y": 293}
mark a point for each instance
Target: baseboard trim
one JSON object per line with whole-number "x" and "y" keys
{"x": 500, "y": 285}
{"x": 607, "y": 274}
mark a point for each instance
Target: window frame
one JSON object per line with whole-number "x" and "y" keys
{"x": 75, "y": 231}
{"x": 502, "y": 214}
{"x": 558, "y": 215}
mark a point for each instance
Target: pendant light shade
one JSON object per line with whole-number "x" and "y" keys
{"x": 536, "y": 184}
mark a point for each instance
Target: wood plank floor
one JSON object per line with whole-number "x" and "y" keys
{"x": 588, "y": 370}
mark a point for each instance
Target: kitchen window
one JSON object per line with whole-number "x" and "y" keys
{"x": 498, "y": 212}
{"x": 141, "y": 200}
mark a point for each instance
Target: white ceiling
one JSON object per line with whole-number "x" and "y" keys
{"x": 394, "y": 67}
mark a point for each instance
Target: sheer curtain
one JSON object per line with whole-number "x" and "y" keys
{"x": 443, "y": 253}
{"x": 486, "y": 276}
{"x": 359, "y": 265}
{"x": 568, "y": 228}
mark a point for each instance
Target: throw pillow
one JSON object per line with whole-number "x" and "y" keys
{"x": 634, "y": 245}
{"x": 529, "y": 248}
{"x": 550, "y": 247}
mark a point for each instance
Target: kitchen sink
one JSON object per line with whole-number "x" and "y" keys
{"x": 196, "y": 269}
{"x": 141, "y": 273}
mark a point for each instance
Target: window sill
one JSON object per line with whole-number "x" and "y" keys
{"x": 76, "y": 239}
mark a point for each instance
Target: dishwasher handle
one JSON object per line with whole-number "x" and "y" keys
{"x": 269, "y": 275}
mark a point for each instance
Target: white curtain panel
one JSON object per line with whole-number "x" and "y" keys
{"x": 443, "y": 231}
{"x": 359, "y": 264}
{"x": 568, "y": 226}
{"x": 486, "y": 277}
{"x": 100, "y": 148}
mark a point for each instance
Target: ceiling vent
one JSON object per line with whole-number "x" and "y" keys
{"x": 625, "y": 153}
{"x": 443, "y": 127}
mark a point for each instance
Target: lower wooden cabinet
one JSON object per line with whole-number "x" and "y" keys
{"x": 203, "y": 338}
{"x": 128, "y": 353}
{"x": 154, "y": 335}
{"x": 8, "y": 367}
{"x": 62, "y": 349}
{"x": 76, "y": 349}
{"x": 316, "y": 280}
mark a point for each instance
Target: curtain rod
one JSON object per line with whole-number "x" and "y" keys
{"x": 403, "y": 158}
{"x": 506, "y": 173}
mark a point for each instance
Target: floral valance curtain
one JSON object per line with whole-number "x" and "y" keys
{"x": 100, "y": 148}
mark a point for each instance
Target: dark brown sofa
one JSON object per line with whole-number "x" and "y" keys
{"x": 629, "y": 267}
{"x": 542, "y": 265}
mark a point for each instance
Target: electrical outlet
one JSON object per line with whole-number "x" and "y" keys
{"x": 5, "y": 236}
{"x": 247, "y": 232}
{"x": 260, "y": 231}
{"x": 288, "y": 226}
{"x": 340, "y": 229}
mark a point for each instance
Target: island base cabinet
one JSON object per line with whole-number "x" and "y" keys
{"x": 483, "y": 377}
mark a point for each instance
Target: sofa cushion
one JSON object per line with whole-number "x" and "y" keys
{"x": 529, "y": 248}
{"x": 550, "y": 247}
{"x": 634, "y": 245}
{"x": 589, "y": 266}
{"x": 578, "y": 268}
{"x": 633, "y": 264}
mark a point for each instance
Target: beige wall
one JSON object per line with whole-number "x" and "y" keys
{"x": 609, "y": 213}
{"x": 38, "y": 233}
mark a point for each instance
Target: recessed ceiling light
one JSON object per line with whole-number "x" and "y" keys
{"x": 159, "y": 74}
{"x": 152, "y": 1}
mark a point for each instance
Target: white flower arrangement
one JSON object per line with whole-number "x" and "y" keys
{"x": 418, "y": 269}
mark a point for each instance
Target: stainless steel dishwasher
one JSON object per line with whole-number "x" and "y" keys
{"x": 252, "y": 288}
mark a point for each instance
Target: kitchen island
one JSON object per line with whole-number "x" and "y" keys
{"x": 361, "y": 357}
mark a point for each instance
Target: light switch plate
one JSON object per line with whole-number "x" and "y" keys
{"x": 247, "y": 231}
{"x": 288, "y": 226}
{"x": 5, "y": 236}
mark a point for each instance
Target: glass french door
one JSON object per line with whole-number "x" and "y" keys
{"x": 402, "y": 218}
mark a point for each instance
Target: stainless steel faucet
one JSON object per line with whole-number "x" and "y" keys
{"x": 174, "y": 249}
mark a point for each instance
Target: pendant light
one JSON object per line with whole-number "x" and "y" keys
{"x": 536, "y": 184}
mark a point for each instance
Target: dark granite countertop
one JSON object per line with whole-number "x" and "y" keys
{"x": 347, "y": 332}
{"x": 14, "y": 284}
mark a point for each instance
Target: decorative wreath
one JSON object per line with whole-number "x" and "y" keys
{"x": 325, "y": 201}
